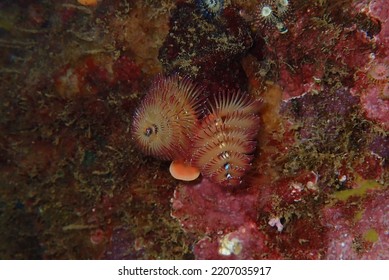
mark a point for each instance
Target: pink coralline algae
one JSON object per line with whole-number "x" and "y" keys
{"x": 247, "y": 242}
{"x": 371, "y": 85}
{"x": 355, "y": 233}
{"x": 288, "y": 192}
{"x": 379, "y": 9}
{"x": 238, "y": 224}
{"x": 376, "y": 107}
{"x": 206, "y": 208}
{"x": 224, "y": 222}
{"x": 371, "y": 81}
{"x": 374, "y": 226}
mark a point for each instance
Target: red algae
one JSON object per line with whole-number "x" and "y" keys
{"x": 206, "y": 207}
{"x": 76, "y": 187}
{"x": 358, "y": 232}
{"x": 376, "y": 107}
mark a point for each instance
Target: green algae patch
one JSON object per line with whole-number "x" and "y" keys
{"x": 371, "y": 235}
{"x": 364, "y": 186}
{"x": 358, "y": 215}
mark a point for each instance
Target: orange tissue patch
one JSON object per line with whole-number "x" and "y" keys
{"x": 181, "y": 171}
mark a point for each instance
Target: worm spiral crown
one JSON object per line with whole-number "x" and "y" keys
{"x": 166, "y": 117}
{"x": 272, "y": 13}
{"x": 225, "y": 141}
{"x": 282, "y": 7}
{"x": 210, "y": 8}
